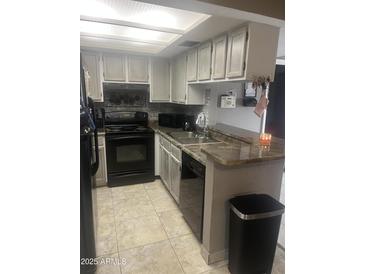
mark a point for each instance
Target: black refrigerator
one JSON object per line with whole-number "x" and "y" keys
{"x": 89, "y": 163}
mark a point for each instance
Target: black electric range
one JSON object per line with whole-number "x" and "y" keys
{"x": 129, "y": 148}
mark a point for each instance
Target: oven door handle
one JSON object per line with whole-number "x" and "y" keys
{"x": 129, "y": 137}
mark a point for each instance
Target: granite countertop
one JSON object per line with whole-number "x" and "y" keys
{"x": 241, "y": 134}
{"x": 193, "y": 150}
{"x": 242, "y": 146}
{"x": 237, "y": 146}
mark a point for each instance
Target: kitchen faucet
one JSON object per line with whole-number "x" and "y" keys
{"x": 202, "y": 122}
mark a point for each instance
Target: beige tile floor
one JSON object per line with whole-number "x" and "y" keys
{"x": 141, "y": 230}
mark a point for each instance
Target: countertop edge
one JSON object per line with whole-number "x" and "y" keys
{"x": 240, "y": 162}
{"x": 214, "y": 157}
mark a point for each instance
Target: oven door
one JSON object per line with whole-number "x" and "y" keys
{"x": 130, "y": 158}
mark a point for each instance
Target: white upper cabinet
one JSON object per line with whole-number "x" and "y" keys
{"x": 137, "y": 69}
{"x": 192, "y": 65}
{"x": 90, "y": 63}
{"x": 261, "y": 51}
{"x": 181, "y": 92}
{"x": 204, "y": 61}
{"x": 178, "y": 87}
{"x": 219, "y": 56}
{"x": 236, "y": 53}
{"x": 114, "y": 67}
{"x": 160, "y": 80}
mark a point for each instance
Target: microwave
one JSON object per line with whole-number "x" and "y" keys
{"x": 172, "y": 120}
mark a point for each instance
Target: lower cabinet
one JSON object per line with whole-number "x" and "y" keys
{"x": 165, "y": 167}
{"x": 157, "y": 154}
{"x": 175, "y": 175}
{"x": 101, "y": 174}
{"x": 170, "y": 167}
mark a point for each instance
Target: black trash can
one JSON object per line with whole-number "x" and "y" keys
{"x": 253, "y": 233}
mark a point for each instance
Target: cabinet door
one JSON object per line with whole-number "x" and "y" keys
{"x": 178, "y": 91}
{"x": 175, "y": 174}
{"x": 160, "y": 80}
{"x": 91, "y": 66}
{"x": 236, "y": 53}
{"x": 204, "y": 61}
{"x": 114, "y": 67}
{"x": 137, "y": 69}
{"x": 165, "y": 166}
{"x": 101, "y": 175}
{"x": 162, "y": 175}
{"x": 219, "y": 56}
{"x": 157, "y": 154}
{"x": 192, "y": 65}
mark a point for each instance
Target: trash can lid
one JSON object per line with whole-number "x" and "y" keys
{"x": 256, "y": 206}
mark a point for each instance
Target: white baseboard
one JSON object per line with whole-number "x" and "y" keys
{"x": 211, "y": 258}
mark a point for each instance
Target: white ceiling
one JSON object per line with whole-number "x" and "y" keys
{"x": 139, "y": 12}
{"x": 158, "y": 27}
{"x": 123, "y": 24}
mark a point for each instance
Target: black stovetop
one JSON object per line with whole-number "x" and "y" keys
{"x": 127, "y": 128}
{"x": 126, "y": 122}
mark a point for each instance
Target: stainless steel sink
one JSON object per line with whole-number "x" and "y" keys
{"x": 183, "y": 134}
{"x": 189, "y": 137}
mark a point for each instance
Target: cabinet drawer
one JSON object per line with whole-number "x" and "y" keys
{"x": 176, "y": 152}
{"x": 165, "y": 143}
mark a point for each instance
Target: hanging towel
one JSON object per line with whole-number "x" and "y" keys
{"x": 261, "y": 105}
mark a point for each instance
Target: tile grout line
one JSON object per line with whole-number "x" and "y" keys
{"x": 115, "y": 230}
{"x": 178, "y": 235}
{"x": 173, "y": 250}
{"x": 138, "y": 246}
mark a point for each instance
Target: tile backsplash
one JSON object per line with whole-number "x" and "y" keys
{"x": 136, "y": 98}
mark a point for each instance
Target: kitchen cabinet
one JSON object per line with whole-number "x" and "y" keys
{"x": 160, "y": 80}
{"x": 170, "y": 167}
{"x": 137, "y": 69}
{"x": 157, "y": 154}
{"x": 236, "y": 53}
{"x": 262, "y": 45}
{"x": 114, "y": 67}
{"x": 181, "y": 92}
{"x": 101, "y": 174}
{"x": 219, "y": 55}
{"x": 175, "y": 172}
{"x": 204, "y": 61}
{"x": 165, "y": 167}
{"x": 178, "y": 88}
{"x": 192, "y": 65}
{"x": 252, "y": 51}
{"x": 90, "y": 63}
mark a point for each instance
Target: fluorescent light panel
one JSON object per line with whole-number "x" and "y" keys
{"x": 95, "y": 42}
{"x": 143, "y": 13}
{"x": 125, "y": 33}
{"x": 133, "y": 25}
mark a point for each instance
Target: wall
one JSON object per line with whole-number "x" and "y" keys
{"x": 223, "y": 183}
{"x": 127, "y": 94}
{"x": 242, "y": 117}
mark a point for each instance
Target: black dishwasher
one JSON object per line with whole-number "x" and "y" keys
{"x": 192, "y": 193}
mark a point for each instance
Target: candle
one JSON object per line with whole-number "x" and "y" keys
{"x": 265, "y": 138}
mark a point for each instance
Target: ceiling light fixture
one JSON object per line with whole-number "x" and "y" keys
{"x": 135, "y": 21}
